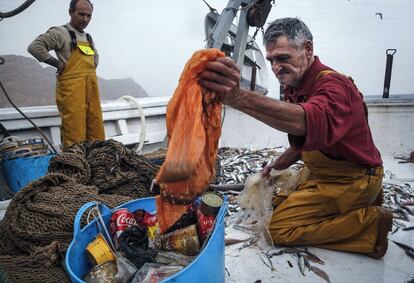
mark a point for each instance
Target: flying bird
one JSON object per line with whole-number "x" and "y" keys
{"x": 379, "y": 14}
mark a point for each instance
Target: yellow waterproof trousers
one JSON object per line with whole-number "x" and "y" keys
{"x": 77, "y": 98}
{"x": 333, "y": 209}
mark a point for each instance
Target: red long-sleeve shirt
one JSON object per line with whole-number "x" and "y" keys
{"x": 335, "y": 118}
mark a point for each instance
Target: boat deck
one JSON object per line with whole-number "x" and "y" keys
{"x": 249, "y": 264}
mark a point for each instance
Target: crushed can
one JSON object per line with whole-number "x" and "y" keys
{"x": 99, "y": 251}
{"x": 121, "y": 219}
{"x": 148, "y": 221}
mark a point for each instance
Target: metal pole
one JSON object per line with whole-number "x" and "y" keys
{"x": 220, "y": 30}
{"x": 253, "y": 78}
{"x": 241, "y": 37}
{"x": 388, "y": 70}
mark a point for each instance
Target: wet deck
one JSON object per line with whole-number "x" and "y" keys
{"x": 246, "y": 266}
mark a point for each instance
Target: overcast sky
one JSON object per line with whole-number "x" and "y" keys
{"x": 150, "y": 41}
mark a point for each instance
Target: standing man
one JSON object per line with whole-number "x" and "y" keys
{"x": 339, "y": 206}
{"x": 77, "y": 93}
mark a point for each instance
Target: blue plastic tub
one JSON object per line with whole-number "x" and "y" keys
{"x": 207, "y": 267}
{"x": 21, "y": 171}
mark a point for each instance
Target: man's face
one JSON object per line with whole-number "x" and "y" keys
{"x": 289, "y": 63}
{"x": 81, "y": 16}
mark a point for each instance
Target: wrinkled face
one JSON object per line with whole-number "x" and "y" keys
{"x": 288, "y": 62}
{"x": 81, "y": 16}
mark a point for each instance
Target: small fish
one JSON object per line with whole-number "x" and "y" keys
{"x": 227, "y": 271}
{"x": 250, "y": 242}
{"x": 313, "y": 257}
{"x": 408, "y": 250}
{"x": 269, "y": 264}
{"x": 322, "y": 274}
{"x": 230, "y": 241}
{"x": 280, "y": 252}
{"x": 408, "y": 228}
{"x": 290, "y": 264}
{"x": 408, "y": 202}
{"x": 301, "y": 264}
{"x": 407, "y": 209}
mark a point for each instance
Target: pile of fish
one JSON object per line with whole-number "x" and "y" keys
{"x": 400, "y": 199}
{"x": 234, "y": 165}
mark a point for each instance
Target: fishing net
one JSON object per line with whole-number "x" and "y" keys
{"x": 38, "y": 225}
{"x": 157, "y": 156}
{"x": 255, "y": 200}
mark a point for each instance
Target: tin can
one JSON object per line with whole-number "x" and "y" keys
{"x": 206, "y": 214}
{"x": 121, "y": 219}
{"x": 183, "y": 240}
{"x": 99, "y": 251}
{"x": 103, "y": 273}
{"x": 148, "y": 221}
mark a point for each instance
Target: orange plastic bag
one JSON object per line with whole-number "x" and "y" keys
{"x": 193, "y": 129}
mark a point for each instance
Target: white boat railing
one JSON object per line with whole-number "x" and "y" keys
{"x": 121, "y": 119}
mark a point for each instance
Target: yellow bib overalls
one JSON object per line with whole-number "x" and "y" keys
{"x": 333, "y": 209}
{"x": 77, "y": 98}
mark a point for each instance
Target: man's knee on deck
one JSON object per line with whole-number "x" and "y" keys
{"x": 283, "y": 236}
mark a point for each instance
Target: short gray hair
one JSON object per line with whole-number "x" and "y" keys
{"x": 295, "y": 30}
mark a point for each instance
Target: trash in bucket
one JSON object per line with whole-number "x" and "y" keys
{"x": 78, "y": 265}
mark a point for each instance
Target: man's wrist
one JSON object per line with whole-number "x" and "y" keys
{"x": 52, "y": 61}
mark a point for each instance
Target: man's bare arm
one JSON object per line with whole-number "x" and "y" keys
{"x": 223, "y": 77}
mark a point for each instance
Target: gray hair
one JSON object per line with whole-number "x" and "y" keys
{"x": 295, "y": 30}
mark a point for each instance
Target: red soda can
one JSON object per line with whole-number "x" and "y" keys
{"x": 206, "y": 214}
{"x": 144, "y": 218}
{"x": 121, "y": 219}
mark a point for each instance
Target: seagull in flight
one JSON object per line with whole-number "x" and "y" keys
{"x": 379, "y": 14}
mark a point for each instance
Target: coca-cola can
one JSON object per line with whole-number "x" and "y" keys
{"x": 121, "y": 219}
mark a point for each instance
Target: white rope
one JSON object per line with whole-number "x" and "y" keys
{"x": 96, "y": 213}
{"x": 142, "y": 116}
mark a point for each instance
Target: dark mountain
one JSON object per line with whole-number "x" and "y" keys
{"x": 29, "y": 84}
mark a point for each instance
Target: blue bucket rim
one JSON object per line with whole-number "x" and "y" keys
{"x": 217, "y": 224}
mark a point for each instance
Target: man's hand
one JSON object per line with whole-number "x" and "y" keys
{"x": 277, "y": 164}
{"x": 52, "y": 61}
{"x": 61, "y": 68}
{"x": 223, "y": 77}
{"x": 289, "y": 157}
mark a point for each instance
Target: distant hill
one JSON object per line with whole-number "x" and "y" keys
{"x": 29, "y": 84}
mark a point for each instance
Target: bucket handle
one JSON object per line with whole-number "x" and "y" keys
{"x": 81, "y": 211}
